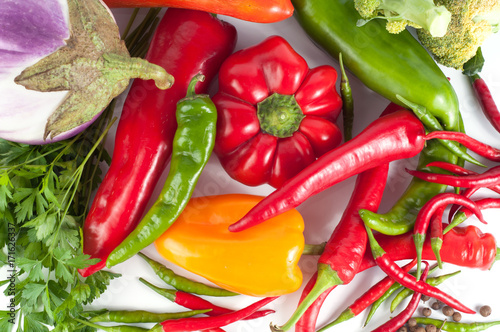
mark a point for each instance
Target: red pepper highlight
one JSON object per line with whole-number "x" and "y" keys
{"x": 275, "y": 115}
{"x": 186, "y": 43}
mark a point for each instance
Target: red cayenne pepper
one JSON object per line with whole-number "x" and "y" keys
{"x": 489, "y": 178}
{"x": 345, "y": 249}
{"x": 486, "y": 100}
{"x": 186, "y": 43}
{"x": 387, "y": 264}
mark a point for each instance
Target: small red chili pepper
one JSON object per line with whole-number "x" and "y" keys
{"x": 393, "y": 270}
{"x": 204, "y": 323}
{"x": 396, "y": 322}
{"x": 186, "y": 43}
{"x": 489, "y": 178}
{"x": 429, "y": 209}
{"x": 276, "y": 116}
{"x": 472, "y": 144}
{"x": 486, "y": 100}
{"x": 437, "y": 234}
{"x": 344, "y": 251}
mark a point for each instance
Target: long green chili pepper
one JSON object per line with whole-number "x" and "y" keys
{"x": 347, "y": 101}
{"x": 116, "y": 328}
{"x": 193, "y": 143}
{"x": 404, "y": 293}
{"x": 182, "y": 283}
{"x": 455, "y": 326}
{"x": 141, "y": 316}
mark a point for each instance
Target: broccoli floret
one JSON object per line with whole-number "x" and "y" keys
{"x": 472, "y": 22}
{"x": 399, "y": 13}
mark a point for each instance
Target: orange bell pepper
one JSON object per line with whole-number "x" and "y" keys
{"x": 260, "y": 11}
{"x": 260, "y": 261}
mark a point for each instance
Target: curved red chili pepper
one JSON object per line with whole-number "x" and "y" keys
{"x": 489, "y": 178}
{"x": 429, "y": 209}
{"x": 472, "y": 144}
{"x": 403, "y": 138}
{"x": 464, "y": 213}
{"x": 396, "y": 322}
{"x": 486, "y": 100}
{"x": 186, "y": 43}
{"x": 276, "y": 116}
{"x": 393, "y": 270}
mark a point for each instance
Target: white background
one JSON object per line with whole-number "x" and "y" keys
{"x": 322, "y": 212}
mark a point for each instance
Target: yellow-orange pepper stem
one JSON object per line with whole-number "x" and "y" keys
{"x": 260, "y": 261}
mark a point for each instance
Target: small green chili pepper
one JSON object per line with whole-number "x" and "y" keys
{"x": 347, "y": 101}
{"x": 182, "y": 283}
{"x": 141, "y": 316}
{"x": 455, "y": 326}
{"x": 406, "y": 292}
{"x": 192, "y": 146}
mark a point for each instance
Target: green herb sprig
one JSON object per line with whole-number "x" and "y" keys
{"x": 45, "y": 191}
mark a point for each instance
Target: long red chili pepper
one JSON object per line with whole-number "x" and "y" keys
{"x": 478, "y": 147}
{"x": 344, "y": 251}
{"x": 396, "y": 322}
{"x": 486, "y": 100}
{"x": 204, "y": 323}
{"x": 393, "y": 270}
{"x": 489, "y": 178}
{"x": 428, "y": 210}
{"x": 403, "y": 138}
{"x": 186, "y": 43}
{"x": 437, "y": 234}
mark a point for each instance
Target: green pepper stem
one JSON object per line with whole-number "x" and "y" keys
{"x": 192, "y": 85}
{"x": 167, "y": 293}
{"x": 433, "y": 124}
{"x": 344, "y": 316}
{"x": 327, "y": 277}
{"x": 314, "y": 249}
{"x": 377, "y": 250}
{"x": 436, "y": 244}
{"x": 419, "y": 240}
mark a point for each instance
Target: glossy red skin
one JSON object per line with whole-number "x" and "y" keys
{"x": 186, "y": 42}
{"x": 394, "y": 136}
{"x": 489, "y": 178}
{"x": 249, "y": 76}
{"x": 487, "y": 102}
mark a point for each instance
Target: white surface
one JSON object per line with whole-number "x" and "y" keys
{"x": 322, "y": 212}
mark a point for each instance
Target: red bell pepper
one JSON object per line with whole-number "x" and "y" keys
{"x": 260, "y": 11}
{"x": 276, "y": 115}
{"x": 186, "y": 43}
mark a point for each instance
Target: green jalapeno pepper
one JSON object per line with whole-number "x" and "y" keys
{"x": 193, "y": 144}
{"x": 390, "y": 65}
{"x": 141, "y": 316}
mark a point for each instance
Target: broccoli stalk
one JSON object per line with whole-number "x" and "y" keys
{"x": 399, "y": 13}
